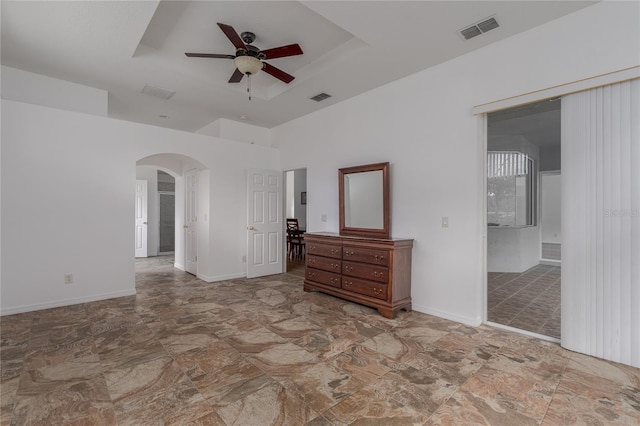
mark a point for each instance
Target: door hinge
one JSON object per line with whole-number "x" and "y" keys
{"x": 196, "y": 258}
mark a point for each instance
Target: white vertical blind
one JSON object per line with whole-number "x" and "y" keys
{"x": 507, "y": 163}
{"x": 601, "y": 222}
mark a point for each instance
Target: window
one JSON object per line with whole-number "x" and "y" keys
{"x": 511, "y": 199}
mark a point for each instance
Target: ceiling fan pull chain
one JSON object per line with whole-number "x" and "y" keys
{"x": 249, "y": 85}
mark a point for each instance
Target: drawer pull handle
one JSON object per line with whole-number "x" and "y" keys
{"x": 348, "y": 283}
{"x": 378, "y": 257}
{"x": 334, "y": 251}
{"x": 377, "y": 290}
{"x": 334, "y": 265}
{"x": 348, "y": 268}
{"x": 348, "y": 253}
{"x": 312, "y": 274}
{"x": 312, "y": 247}
{"x": 312, "y": 261}
{"x": 377, "y": 274}
{"x": 334, "y": 280}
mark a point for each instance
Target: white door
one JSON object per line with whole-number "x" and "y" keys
{"x": 190, "y": 222}
{"x": 264, "y": 223}
{"x": 141, "y": 218}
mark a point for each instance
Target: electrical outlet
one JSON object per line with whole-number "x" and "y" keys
{"x": 68, "y": 278}
{"x": 323, "y": 218}
{"x": 244, "y": 259}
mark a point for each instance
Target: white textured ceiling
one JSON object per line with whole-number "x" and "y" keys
{"x": 349, "y": 47}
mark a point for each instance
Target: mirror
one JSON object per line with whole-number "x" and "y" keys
{"x": 364, "y": 200}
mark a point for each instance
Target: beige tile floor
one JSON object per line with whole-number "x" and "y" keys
{"x": 263, "y": 352}
{"x": 529, "y": 301}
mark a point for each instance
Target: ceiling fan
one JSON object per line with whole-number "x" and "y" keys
{"x": 249, "y": 59}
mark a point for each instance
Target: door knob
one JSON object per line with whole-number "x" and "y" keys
{"x": 185, "y": 226}
{"x": 144, "y": 223}
{"x": 250, "y": 228}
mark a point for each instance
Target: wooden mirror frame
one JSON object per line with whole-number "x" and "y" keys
{"x": 385, "y": 231}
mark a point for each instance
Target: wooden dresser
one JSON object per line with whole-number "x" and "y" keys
{"x": 371, "y": 271}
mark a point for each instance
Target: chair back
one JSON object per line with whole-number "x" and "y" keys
{"x": 293, "y": 230}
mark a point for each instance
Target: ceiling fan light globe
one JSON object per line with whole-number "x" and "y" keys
{"x": 248, "y": 64}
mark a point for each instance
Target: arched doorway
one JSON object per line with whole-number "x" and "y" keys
{"x": 189, "y": 182}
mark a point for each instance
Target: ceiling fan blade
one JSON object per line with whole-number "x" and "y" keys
{"x": 283, "y": 51}
{"x": 236, "y": 76}
{"x": 277, "y": 73}
{"x": 209, "y": 55}
{"x": 233, "y": 36}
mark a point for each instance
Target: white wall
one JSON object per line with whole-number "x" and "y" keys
{"x": 512, "y": 249}
{"x": 424, "y": 127}
{"x": 23, "y": 86}
{"x": 88, "y": 225}
{"x": 550, "y": 158}
{"x": 237, "y": 131}
{"x": 150, "y": 174}
{"x": 550, "y": 210}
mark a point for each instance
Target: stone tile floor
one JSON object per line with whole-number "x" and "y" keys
{"x": 528, "y": 301}
{"x": 263, "y": 352}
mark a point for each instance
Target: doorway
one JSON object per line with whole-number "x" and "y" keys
{"x": 296, "y": 208}
{"x": 167, "y": 213}
{"x": 523, "y": 218}
{"x": 169, "y": 178}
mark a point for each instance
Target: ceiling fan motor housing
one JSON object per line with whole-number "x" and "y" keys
{"x": 251, "y": 51}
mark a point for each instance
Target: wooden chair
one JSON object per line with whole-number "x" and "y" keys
{"x": 295, "y": 239}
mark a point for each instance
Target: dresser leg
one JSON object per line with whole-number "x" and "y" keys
{"x": 386, "y": 312}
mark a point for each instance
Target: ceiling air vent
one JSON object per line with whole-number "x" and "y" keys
{"x": 488, "y": 25}
{"x": 479, "y": 28}
{"x": 320, "y": 97}
{"x": 158, "y": 92}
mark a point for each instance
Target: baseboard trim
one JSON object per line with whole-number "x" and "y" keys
{"x": 66, "y": 302}
{"x": 179, "y": 266}
{"x": 550, "y": 262}
{"x": 473, "y": 322}
{"x": 216, "y": 278}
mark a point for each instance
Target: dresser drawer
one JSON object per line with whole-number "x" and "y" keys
{"x": 327, "y": 250}
{"x": 375, "y": 257}
{"x": 324, "y": 263}
{"x": 377, "y": 290}
{"x": 366, "y": 271}
{"x": 323, "y": 277}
